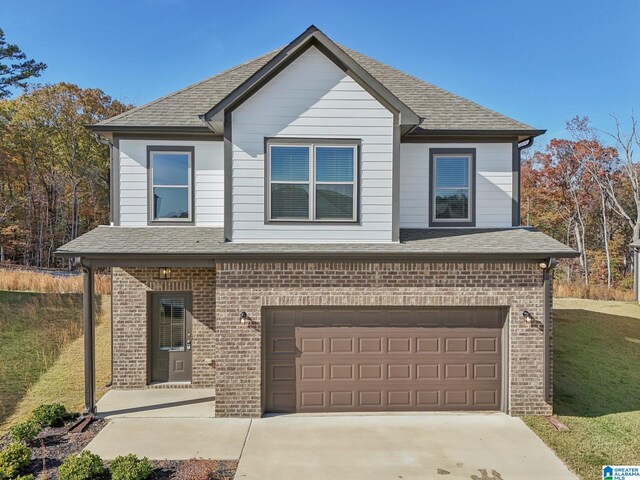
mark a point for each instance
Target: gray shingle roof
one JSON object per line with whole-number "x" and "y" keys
{"x": 440, "y": 109}
{"x": 107, "y": 241}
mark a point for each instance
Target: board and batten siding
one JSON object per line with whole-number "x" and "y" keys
{"x": 494, "y": 175}
{"x": 312, "y": 98}
{"x": 208, "y": 188}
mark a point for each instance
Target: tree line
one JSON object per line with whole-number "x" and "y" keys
{"x": 585, "y": 191}
{"x": 54, "y": 173}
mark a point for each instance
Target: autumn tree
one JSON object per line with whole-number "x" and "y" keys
{"x": 54, "y": 173}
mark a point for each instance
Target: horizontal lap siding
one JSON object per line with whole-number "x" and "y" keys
{"x": 312, "y": 98}
{"x": 494, "y": 188}
{"x": 208, "y": 188}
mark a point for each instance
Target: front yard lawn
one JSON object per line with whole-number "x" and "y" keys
{"x": 596, "y": 385}
{"x": 41, "y": 352}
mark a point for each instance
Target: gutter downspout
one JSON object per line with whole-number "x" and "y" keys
{"x": 89, "y": 332}
{"x": 548, "y": 300}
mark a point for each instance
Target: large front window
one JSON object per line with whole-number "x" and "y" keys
{"x": 452, "y": 188}
{"x": 171, "y": 186}
{"x": 312, "y": 182}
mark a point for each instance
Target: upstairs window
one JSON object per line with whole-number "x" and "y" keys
{"x": 312, "y": 182}
{"x": 170, "y": 175}
{"x": 452, "y": 187}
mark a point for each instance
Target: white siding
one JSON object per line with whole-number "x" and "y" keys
{"x": 312, "y": 98}
{"x": 493, "y": 183}
{"x": 209, "y": 181}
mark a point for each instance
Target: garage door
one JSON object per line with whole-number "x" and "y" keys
{"x": 336, "y": 360}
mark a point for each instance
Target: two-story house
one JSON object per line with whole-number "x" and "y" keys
{"x": 315, "y": 231}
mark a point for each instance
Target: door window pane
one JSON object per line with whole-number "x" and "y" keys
{"x": 172, "y": 324}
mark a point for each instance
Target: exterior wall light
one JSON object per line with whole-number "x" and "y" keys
{"x": 243, "y": 317}
{"x": 165, "y": 273}
{"x": 527, "y": 316}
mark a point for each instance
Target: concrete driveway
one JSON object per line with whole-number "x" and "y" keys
{"x": 162, "y": 424}
{"x": 430, "y": 446}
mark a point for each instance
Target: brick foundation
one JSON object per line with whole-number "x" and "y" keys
{"x": 220, "y": 294}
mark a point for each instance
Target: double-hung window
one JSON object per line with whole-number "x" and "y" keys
{"x": 170, "y": 189}
{"x": 315, "y": 181}
{"x": 452, "y": 187}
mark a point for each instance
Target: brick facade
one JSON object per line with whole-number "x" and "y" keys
{"x": 220, "y": 295}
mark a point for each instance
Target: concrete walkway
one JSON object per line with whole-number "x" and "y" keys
{"x": 447, "y": 446}
{"x": 172, "y": 438}
{"x": 171, "y": 424}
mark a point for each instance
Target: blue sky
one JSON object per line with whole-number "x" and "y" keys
{"x": 541, "y": 61}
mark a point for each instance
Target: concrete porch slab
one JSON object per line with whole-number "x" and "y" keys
{"x": 172, "y": 438}
{"x": 157, "y": 403}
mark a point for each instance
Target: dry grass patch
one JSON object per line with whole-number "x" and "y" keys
{"x": 562, "y": 289}
{"x": 18, "y": 280}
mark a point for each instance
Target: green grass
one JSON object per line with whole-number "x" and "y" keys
{"x": 41, "y": 352}
{"x": 596, "y": 385}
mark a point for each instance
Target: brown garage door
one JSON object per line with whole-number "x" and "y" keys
{"x": 324, "y": 360}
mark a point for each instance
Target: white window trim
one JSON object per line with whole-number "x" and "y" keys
{"x": 189, "y": 186}
{"x": 311, "y": 182}
{"x": 435, "y": 188}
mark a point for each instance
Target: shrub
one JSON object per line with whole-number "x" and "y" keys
{"x": 130, "y": 467}
{"x": 13, "y": 459}
{"x": 50, "y": 415}
{"x": 25, "y": 477}
{"x": 85, "y": 466}
{"x": 24, "y": 431}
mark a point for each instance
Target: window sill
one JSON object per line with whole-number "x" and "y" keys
{"x": 312, "y": 222}
{"x": 465, "y": 223}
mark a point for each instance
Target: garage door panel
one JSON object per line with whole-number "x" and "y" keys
{"x": 341, "y": 372}
{"x": 427, "y": 345}
{"x": 399, "y": 372}
{"x": 392, "y": 364}
{"x": 400, "y": 345}
{"x": 312, "y": 372}
{"x": 456, "y": 345}
{"x": 485, "y": 345}
{"x": 370, "y": 345}
{"x": 341, "y": 400}
{"x": 341, "y": 345}
{"x": 369, "y": 371}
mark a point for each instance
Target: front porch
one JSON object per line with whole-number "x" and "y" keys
{"x": 157, "y": 403}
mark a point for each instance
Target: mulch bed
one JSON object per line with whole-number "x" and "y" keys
{"x": 53, "y": 445}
